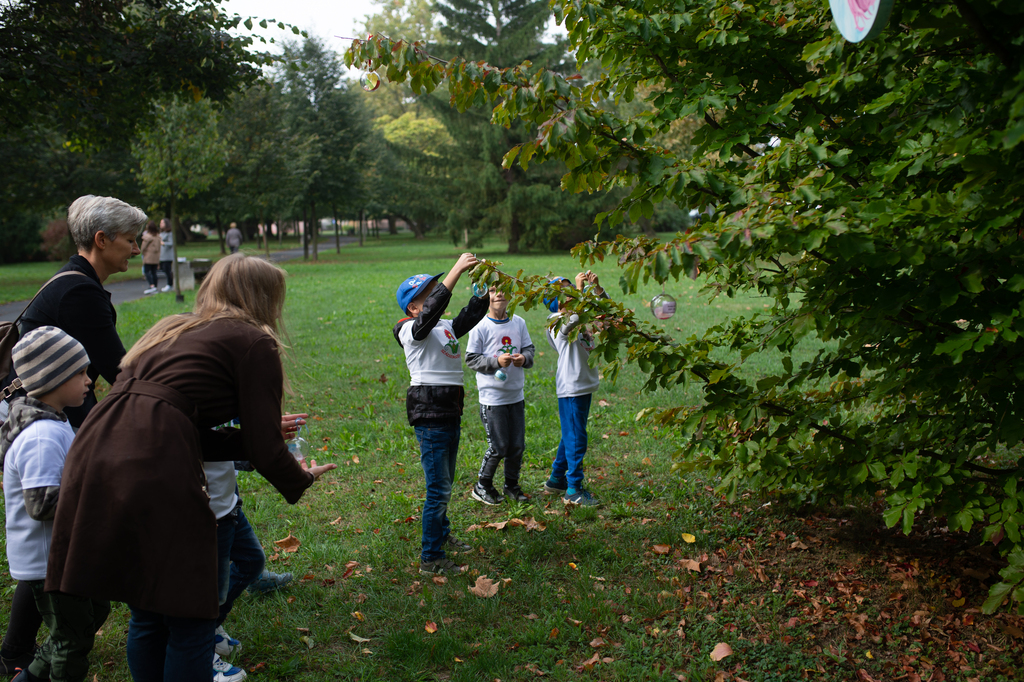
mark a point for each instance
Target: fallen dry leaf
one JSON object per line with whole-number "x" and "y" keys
{"x": 484, "y": 587}
{"x": 430, "y": 627}
{"x": 439, "y": 580}
{"x": 720, "y": 651}
{"x": 691, "y": 565}
{"x": 597, "y": 642}
{"x": 358, "y": 616}
{"x": 798, "y": 545}
{"x": 531, "y": 616}
{"x": 534, "y": 524}
{"x": 288, "y": 544}
{"x": 573, "y": 566}
{"x": 662, "y": 549}
{"x": 302, "y": 631}
{"x": 688, "y": 538}
{"x": 603, "y": 403}
{"x": 356, "y": 638}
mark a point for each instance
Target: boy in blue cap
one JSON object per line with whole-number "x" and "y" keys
{"x": 575, "y": 384}
{"x": 435, "y": 397}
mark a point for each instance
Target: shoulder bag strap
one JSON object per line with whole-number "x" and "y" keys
{"x": 48, "y": 282}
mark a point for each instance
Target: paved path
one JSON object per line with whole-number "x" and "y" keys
{"x": 131, "y": 290}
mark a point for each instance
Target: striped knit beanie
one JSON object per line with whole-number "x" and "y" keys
{"x": 45, "y": 358}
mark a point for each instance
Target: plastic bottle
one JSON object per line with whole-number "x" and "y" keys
{"x": 298, "y": 446}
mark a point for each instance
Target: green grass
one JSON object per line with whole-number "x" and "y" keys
{"x": 593, "y": 581}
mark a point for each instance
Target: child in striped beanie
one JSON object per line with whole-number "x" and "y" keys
{"x": 34, "y": 442}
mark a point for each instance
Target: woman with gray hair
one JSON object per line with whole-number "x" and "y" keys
{"x": 104, "y": 229}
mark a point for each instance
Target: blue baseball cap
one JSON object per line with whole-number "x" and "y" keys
{"x": 411, "y": 288}
{"x": 552, "y": 303}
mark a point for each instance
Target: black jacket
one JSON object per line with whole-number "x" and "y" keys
{"x": 82, "y": 308}
{"x": 439, "y": 402}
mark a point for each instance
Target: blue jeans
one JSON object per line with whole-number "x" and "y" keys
{"x": 439, "y": 445}
{"x": 240, "y": 559}
{"x": 166, "y": 649}
{"x": 572, "y": 413}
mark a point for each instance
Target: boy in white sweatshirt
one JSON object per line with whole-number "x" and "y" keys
{"x": 575, "y": 383}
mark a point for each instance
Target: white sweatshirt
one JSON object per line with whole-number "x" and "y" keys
{"x": 573, "y": 375}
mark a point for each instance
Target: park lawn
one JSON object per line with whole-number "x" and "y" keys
{"x": 20, "y": 281}
{"x": 643, "y": 588}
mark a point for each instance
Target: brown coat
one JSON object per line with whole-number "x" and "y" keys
{"x": 133, "y": 522}
{"x": 150, "y": 248}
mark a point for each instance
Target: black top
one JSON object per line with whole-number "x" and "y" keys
{"x": 81, "y": 307}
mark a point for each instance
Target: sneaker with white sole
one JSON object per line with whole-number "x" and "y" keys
{"x": 555, "y": 487}
{"x": 486, "y": 494}
{"x": 225, "y": 672}
{"x": 167, "y": 287}
{"x": 581, "y": 497}
{"x": 224, "y": 644}
{"x": 150, "y": 290}
{"x": 514, "y": 492}
{"x": 269, "y": 581}
{"x": 441, "y": 567}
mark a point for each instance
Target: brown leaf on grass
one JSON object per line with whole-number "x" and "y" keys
{"x": 720, "y": 651}
{"x": 534, "y": 524}
{"x": 383, "y": 378}
{"x": 358, "y": 615}
{"x": 531, "y": 616}
{"x": 553, "y": 634}
{"x": 798, "y": 545}
{"x": 288, "y": 544}
{"x": 590, "y": 662}
{"x": 336, "y": 521}
{"x": 532, "y": 667}
{"x": 430, "y": 627}
{"x": 597, "y": 642}
{"x": 356, "y": 638}
{"x": 623, "y": 433}
{"x": 1011, "y": 630}
{"x": 484, "y": 588}
{"x": 690, "y": 564}
{"x": 863, "y": 676}
{"x": 302, "y": 631}
{"x": 603, "y": 403}
{"x": 573, "y": 621}
{"x": 359, "y": 598}
{"x": 439, "y": 580}
{"x": 355, "y": 459}
{"x": 662, "y": 549}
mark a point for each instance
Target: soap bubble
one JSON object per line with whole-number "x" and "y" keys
{"x": 501, "y": 375}
{"x": 370, "y": 81}
{"x": 663, "y": 306}
{"x": 479, "y": 289}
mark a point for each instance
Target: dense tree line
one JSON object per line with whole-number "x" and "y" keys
{"x": 224, "y": 133}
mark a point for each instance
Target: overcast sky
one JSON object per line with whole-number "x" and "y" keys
{"x": 322, "y": 18}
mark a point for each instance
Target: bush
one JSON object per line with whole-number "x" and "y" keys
{"x": 19, "y": 235}
{"x": 57, "y": 243}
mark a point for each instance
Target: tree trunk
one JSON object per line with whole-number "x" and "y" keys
{"x": 513, "y": 234}
{"x": 314, "y": 235}
{"x": 392, "y": 228}
{"x": 220, "y": 232}
{"x": 174, "y": 230}
{"x": 362, "y": 216}
{"x": 266, "y": 236}
{"x": 337, "y": 229}
{"x": 305, "y": 235}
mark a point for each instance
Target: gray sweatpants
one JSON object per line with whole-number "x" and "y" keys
{"x": 505, "y": 426}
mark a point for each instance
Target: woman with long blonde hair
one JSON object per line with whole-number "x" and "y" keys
{"x": 134, "y": 522}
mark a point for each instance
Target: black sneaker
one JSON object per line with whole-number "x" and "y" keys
{"x": 10, "y": 666}
{"x": 486, "y": 495}
{"x": 441, "y": 567}
{"x": 455, "y": 543}
{"x": 553, "y": 487}
{"x": 514, "y": 492}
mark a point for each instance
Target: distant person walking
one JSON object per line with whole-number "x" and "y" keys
{"x": 151, "y": 256}
{"x": 233, "y": 238}
{"x": 167, "y": 253}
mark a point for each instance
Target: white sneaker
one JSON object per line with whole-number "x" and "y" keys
{"x": 224, "y": 644}
{"x": 167, "y": 287}
{"x": 225, "y": 672}
{"x": 150, "y": 290}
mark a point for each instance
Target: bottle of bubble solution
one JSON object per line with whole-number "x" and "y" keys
{"x": 298, "y": 446}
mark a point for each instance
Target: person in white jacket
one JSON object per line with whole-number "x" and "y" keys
{"x": 575, "y": 383}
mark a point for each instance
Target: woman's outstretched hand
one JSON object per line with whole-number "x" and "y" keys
{"x": 317, "y": 471}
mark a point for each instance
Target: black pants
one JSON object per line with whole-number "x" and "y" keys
{"x": 73, "y": 622}
{"x": 168, "y": 267}
{"x": 149, "y": 270}
{"x": 505, "y": 426}
{"x": 23, "y": 623}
